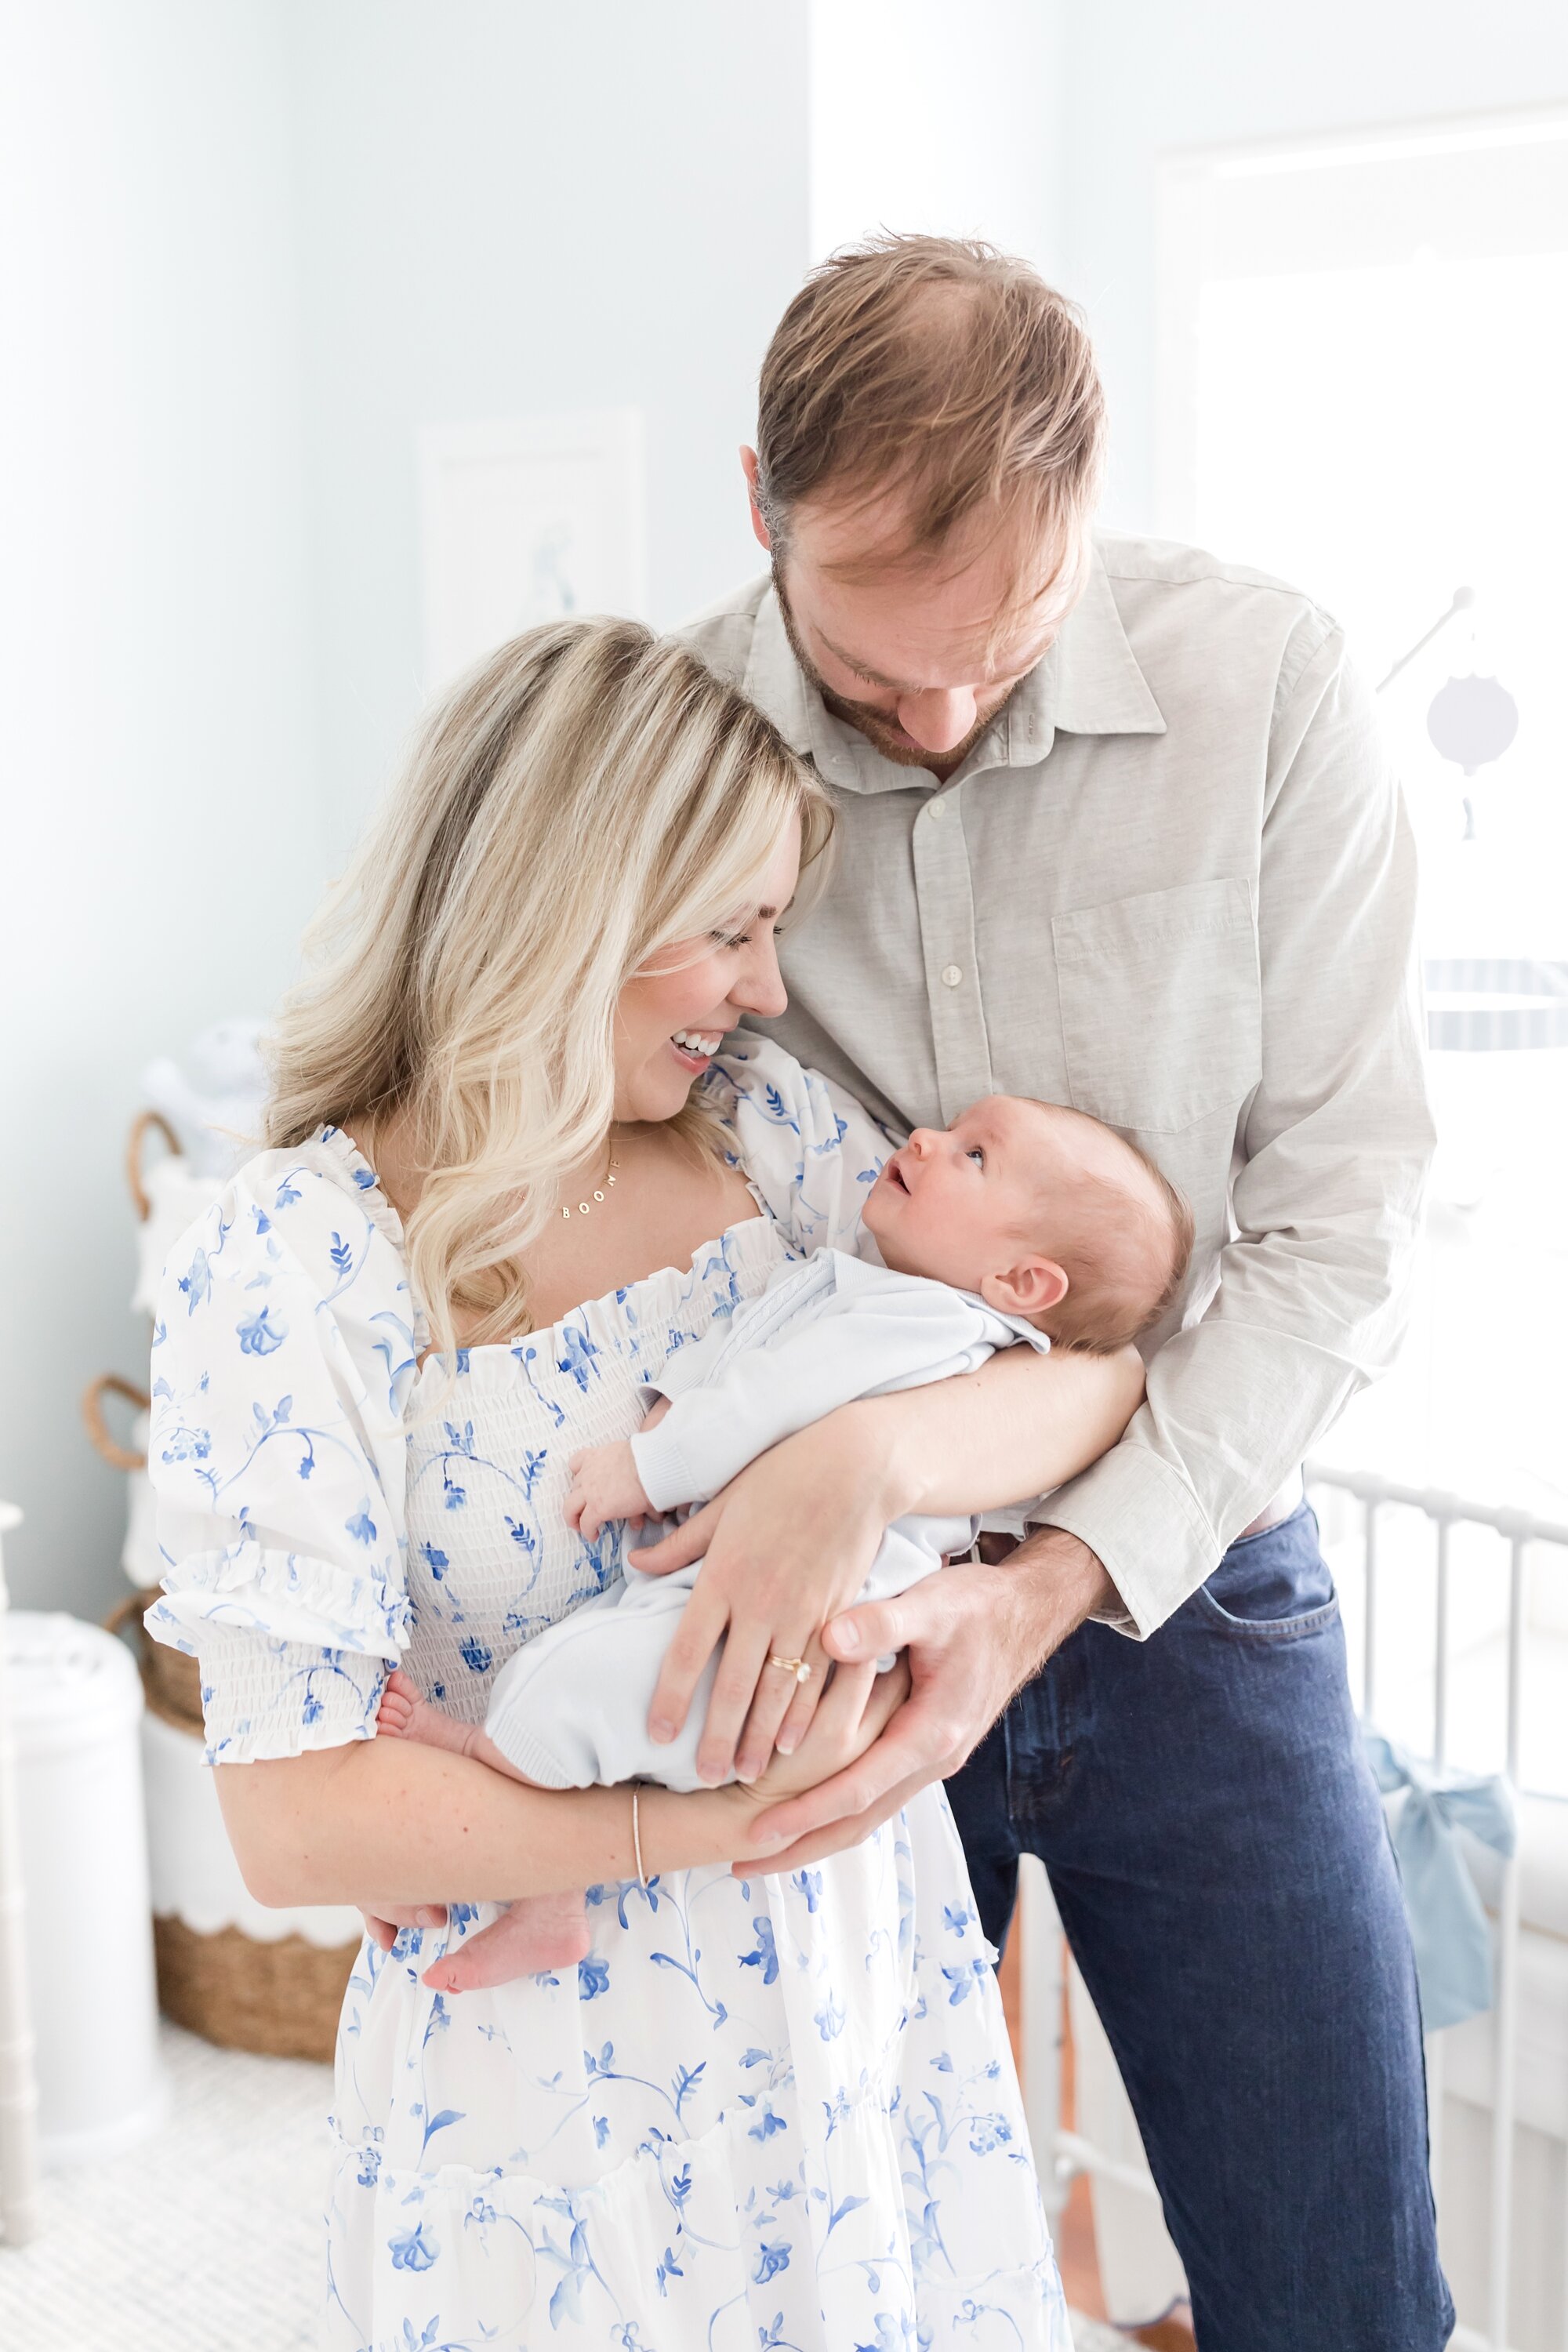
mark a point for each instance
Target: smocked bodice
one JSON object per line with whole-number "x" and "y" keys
{"x": 491, "y": 1561}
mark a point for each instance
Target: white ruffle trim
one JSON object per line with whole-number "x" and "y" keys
{"x": 249, "y": 1588}
{"x": 263, "y": 1698}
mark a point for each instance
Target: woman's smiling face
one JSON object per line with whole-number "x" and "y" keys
{"x": 670, "y": 1018}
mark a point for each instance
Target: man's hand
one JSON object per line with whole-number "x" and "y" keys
{"x": 974, "y": 1636}
{"x": 604, "y": 1485}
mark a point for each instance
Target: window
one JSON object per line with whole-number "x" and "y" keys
{"x": 1363, "y": 366}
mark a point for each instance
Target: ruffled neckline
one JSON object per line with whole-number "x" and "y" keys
{"x": 765, "y": 1222}
{"x": 366, "y": 1188}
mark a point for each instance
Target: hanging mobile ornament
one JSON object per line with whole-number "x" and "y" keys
{"x": 1472, "y": 718}
{"x": 1471, "y": 722}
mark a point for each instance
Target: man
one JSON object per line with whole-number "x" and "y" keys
{"x": 1115, "y": 831}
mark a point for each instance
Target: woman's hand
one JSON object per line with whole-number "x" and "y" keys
{"x": 790, "y": 1541}
{"x": 784, "y": 1547}
{"x": 853, "y": 1713}
{"x": 975, "y": 1634}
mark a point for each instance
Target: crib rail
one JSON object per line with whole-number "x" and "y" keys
{"x": 1073, "y": 2154}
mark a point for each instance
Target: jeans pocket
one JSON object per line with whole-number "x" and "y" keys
{"x": 1272, "y": 1587}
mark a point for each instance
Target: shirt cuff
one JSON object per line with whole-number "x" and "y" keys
{"x": 263, "y": 1697}
{"x": 667, "y": 1478}
{"x": 1147, "y": 1528}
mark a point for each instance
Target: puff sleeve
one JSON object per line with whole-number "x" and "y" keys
{"x": 285, "y": 1344}
{"x": 810, "y": 1151}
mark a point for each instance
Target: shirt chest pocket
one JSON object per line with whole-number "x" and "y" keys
{"x": 1162, "y": 1023}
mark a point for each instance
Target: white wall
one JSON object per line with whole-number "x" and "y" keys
{"x": 523, "y": 208}
{"x": 948, "y": 120}
{"x": 251, "y": 247}
{"x": 159, "y": 843}
{"x": 1144, "y": 77}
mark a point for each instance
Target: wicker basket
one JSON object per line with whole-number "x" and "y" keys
{"x": 171, "y": 1681}
{"x": 280, "y": 1998}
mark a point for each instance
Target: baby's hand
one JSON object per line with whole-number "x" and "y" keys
{"x": 604, "y": 1485}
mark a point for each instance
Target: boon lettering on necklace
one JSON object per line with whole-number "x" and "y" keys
{"x": 584, "y": 1208}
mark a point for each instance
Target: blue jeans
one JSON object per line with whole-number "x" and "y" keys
{"x": 1216, "y": 1850}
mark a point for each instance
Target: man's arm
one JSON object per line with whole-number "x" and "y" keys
{"x": 1337, "y": 1140}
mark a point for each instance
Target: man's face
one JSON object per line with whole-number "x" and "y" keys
{"x": 920, "y": 655}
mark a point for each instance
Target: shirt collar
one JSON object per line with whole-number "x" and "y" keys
{"x": 775, "y": 682}
{"x": 1088, "y": 683}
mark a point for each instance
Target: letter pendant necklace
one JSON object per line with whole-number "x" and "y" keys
{"x": 601, "y": 1192}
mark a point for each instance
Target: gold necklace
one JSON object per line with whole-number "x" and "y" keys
{"x": 584, "y": 1208}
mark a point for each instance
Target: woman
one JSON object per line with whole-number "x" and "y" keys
{"x": 775, "y": 2111}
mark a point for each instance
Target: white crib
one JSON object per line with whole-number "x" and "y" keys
{"x": 1498, "y": 2086}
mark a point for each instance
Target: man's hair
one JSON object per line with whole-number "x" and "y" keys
{"x": 941, "y": 370}
{"x": 1126, "y": 1266}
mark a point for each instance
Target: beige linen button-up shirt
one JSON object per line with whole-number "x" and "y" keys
{"x": 1173, "y": 885}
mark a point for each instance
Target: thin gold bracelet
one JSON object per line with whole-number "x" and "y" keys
{"x": 637, "y": 1838}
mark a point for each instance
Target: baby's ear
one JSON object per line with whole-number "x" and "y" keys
{"x": 1031, "y": 1288}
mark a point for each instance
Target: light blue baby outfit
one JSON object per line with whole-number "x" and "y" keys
{"x": 570, "y": 1709}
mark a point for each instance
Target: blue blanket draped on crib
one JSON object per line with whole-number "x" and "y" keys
{"x": 1448, "y": 1926}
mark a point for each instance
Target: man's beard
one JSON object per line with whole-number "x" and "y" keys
{"x": 873, "y": 724}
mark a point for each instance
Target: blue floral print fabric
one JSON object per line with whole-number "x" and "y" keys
{"x": 774, "y": 2115}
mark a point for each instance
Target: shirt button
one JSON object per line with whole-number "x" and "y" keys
{"x": 936, "y": 807}
{"x": 951, "y": 975}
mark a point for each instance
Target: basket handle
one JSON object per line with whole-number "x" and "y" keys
{"x": 119, "y": 1457}
{"x": 135, "y": 1605}
{"x": 140, "y": 1125}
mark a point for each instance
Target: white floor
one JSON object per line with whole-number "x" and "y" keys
{"x": 206, "y": 2236}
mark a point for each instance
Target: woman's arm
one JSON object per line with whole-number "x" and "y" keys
{"x": 386, "y": 1821}
{"x": 791, "y": 1542}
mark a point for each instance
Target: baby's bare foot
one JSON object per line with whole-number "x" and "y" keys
{"x": 404, "y": 1715}
{"x": 541, "y": 1931}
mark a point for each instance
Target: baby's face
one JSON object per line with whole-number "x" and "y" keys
{"x": 960, "y": 1205}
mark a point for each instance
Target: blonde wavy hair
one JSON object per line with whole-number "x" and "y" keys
{"x": 587, "y": 798}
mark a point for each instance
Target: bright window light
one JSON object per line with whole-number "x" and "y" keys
{"x": 1364, "y": 364}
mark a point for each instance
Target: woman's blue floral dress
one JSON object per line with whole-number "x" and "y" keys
{"x": 774, "y": 2116}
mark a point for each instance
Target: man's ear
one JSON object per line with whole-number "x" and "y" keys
{"x": 749, "y": 467}
{"x": 1031, "y": 1288}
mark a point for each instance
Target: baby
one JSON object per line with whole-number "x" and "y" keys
{"x": 1023, "y": 1223}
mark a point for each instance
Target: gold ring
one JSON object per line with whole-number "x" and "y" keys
{"x": 798, "y": 1667}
